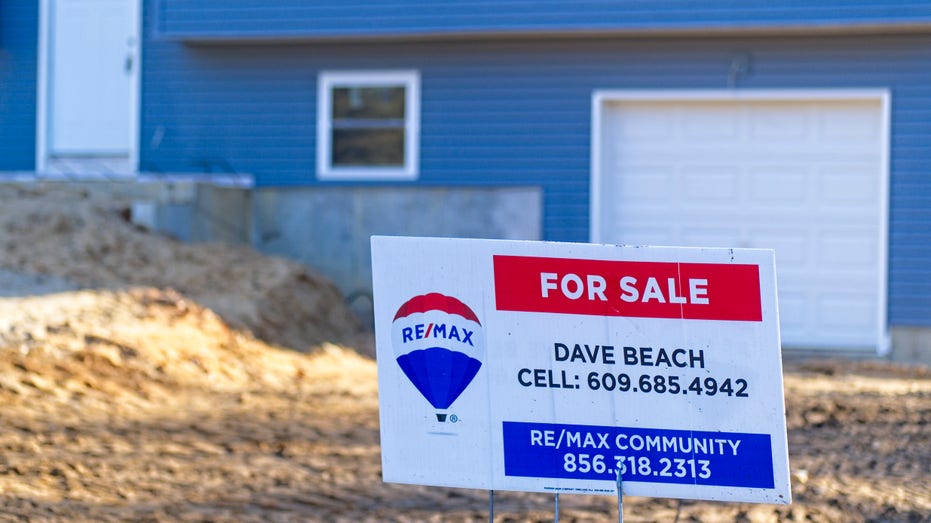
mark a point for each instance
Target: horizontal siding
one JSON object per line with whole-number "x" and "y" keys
{"x": 205, "y": 19}
{"x": 19, "y": 23}
{"x": 509, "y": 112}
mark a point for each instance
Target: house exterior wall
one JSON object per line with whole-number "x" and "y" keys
{"x": 518, "y": 113}
{"x": 212, "y": 19}
{"x": 502, "y": 104}
{"x": 19, "y": 30}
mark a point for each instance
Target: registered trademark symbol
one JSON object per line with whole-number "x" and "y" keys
{"x": 454, "y": 418}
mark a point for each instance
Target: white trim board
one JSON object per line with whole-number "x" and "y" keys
{"x": 42, "y": 87}
{"x": 602, "y": 98}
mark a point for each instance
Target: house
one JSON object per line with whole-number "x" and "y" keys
{"x": 804, "y": 127}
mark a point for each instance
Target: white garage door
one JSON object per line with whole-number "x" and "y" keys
{"x": 805, "y": 177}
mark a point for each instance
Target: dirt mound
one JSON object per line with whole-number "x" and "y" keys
{"x": 140, "y": 405}
{"x": 83, "y": 236}
{"x": 134, "y": 343}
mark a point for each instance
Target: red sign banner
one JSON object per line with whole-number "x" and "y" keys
{"x": 694, "y": 291}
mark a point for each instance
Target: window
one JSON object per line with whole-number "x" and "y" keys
{"x": 368, "y": 125}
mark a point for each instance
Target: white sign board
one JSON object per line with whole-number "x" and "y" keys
{"x": 545, "y": 367}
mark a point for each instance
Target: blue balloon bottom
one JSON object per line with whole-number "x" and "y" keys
{"x": 439, "y": 374}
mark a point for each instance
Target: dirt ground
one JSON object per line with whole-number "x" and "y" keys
{"x": 146, "y": 380}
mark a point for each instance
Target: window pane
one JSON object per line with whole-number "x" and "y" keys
{"x": 368, "y": 147}
{"x": 368, "y": 102}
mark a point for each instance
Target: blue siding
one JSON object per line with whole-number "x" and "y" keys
{"x": 19, "y": 26}
{"x": 205, "y": 19}
{"x": 518, "y": 112}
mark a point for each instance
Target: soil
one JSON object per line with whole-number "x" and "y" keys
{"x": 142, "y": 379}
{"x": 84, "y": 237}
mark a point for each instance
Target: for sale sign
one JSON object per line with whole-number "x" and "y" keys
{"x": 548, "y": 367}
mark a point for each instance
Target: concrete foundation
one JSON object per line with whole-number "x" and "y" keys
{"x": 911, "y": 345}
{"x": 329, "y": 229}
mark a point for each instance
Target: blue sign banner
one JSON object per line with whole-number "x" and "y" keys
{"x": 551, "y": 450}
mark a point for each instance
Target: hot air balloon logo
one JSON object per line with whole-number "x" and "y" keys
{"x": 439, "y": 344}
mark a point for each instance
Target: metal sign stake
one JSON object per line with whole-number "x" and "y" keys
{"x": 620, "y": 498}
{"x": 556, "y": 508}
{"x": 491, "y": 506}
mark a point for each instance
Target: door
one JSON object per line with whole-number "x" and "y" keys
{"x": 803, "y": 177}
{"x": 93, "y": 62}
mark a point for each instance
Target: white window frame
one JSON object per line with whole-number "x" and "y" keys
{"x": 326, "y": 81}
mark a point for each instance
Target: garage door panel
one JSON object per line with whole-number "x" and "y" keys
{"x": 801, "y": 177}
{"x": 793, "y": 311}
{"x": 645, "y": 236}
{"x": 701, "y": 123}
{"x": 846, "y": 311}
{"x": 779, "y": 122}
{"x": 791, "y": 246}
{"x": 852, "y": 185}
{"x": 844, "y": 249}
{"x": 780, "y": 184}
{"x": 849, "y": 124}
{"x": 646, "y": 184}
{"x": 711, "y": 154}
{"x": 726, "y": 237}
{"x": 642, "y": 123}
{"x": 709, "y": 184}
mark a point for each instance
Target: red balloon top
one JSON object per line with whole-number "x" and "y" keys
{"x": 435, "y": 301}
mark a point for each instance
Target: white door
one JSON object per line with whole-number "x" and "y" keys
{"x": 805, "y": 177}
{"x": 92, "y": 63}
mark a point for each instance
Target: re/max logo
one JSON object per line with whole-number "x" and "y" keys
{"x": 437, "y": 330}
